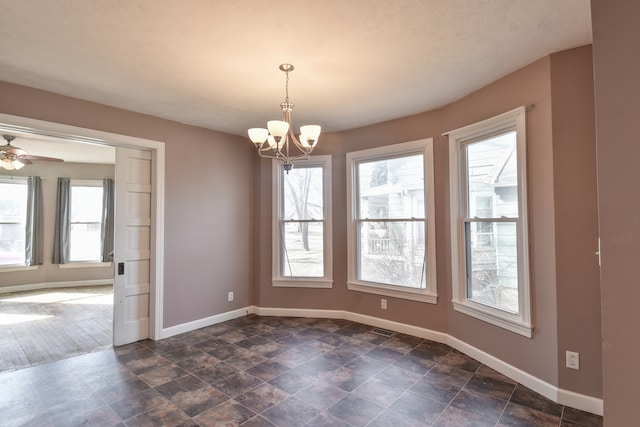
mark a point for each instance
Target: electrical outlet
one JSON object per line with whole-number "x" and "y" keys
{"x": 383, "y": 303}
{"x": 230, "y": 296}
{"x": 573, "y": 360}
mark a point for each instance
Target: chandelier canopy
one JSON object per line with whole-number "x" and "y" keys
{"x": 281, "y": 142}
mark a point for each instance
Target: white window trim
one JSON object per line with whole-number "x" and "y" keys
{"x": 85, "y": 182}
{"x": 85, "y": 264}
{"x": 8, "y": 179}
{"x": 429, "y": 294}
{"x": 278, "y": 280}
{"x": 519, "y": 323}
{"x": 6, "y": 268}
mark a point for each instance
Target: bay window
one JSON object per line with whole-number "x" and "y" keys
{"x": 490, "y": 258}
{"x": 302, "y": 244}
{"x": 391, "y": 235}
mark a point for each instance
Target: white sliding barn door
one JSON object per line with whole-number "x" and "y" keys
{"x": 132, "y": 252}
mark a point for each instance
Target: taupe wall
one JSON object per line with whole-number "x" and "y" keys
{"x": 208, "y": 199}
{"x": 576, "y": 218}
{"x": 48, "y": 272}
{"x": 616, "y": 43}
{"x": 218, "y": 215}
{"x": 551, "y": 169}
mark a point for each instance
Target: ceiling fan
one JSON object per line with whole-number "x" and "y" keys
{"x": 12, "y": 157}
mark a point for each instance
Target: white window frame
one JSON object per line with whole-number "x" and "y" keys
{"x": 278, "y": 279}
{"x": 425, "y": 147}
{"x": 514, "y": 120}
{"x": 18, "y": 180}
{"x": 84, "y": 263}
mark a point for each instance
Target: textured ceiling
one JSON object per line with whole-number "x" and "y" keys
{"x": 214, "y": 63}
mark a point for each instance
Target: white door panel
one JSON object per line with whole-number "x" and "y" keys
{"x": 132, "y": 245}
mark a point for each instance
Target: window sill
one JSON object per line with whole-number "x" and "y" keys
{"x": 9, "y": 268}
{"x": 420, "y": 295}
{"x": 303, "y": 283}
{"x": 494, "y": 317}
{"x": 85, "y": 264}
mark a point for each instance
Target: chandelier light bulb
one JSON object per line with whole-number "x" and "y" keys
{"x": 278, "y": 128}
{"x": 309, "y": 135}
{"x": 258, "y": 136}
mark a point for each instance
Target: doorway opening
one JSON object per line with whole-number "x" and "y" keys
{"x": 99, "y": 294}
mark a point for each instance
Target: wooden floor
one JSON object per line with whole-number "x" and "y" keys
{"x": 51, "y": 324}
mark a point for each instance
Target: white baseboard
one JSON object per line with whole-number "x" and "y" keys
{"x": 201, "y": 323}
{"x": 558, "y": 395}
{"x": 48, "y": 285}
{"x": 564, "y": 397}
{"x": 583, "y": 402}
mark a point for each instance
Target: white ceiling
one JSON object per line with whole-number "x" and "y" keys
{"x": 214, "y": 63}
{"x": 69, "y": 151}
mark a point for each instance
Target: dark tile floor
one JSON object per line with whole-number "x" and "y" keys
{"x": 273, "y": 371}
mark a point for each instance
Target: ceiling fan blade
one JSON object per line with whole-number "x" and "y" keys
{"x": 24, "y": 161}
{"x": 37, "y": 158}
{"x": 12, "y": 149}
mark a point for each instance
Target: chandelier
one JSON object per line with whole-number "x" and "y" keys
{"x": 281, "y": 142}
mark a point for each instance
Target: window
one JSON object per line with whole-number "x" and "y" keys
{"x": 85, "y": 221}
{"x": 489, "y": 222}
{"x": 302, "y": 249}
{"x": 391, "y": 236}
{"x": 13, "y": 218}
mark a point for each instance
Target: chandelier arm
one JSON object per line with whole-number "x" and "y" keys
{"x": 266, "y": 149}
{"x": 297, "y": 143}
{"x": 282, "y": 157}
{"x": 268, "y": 156}
{"x": 304, "y": 156}
{"x": 286, "y": 116}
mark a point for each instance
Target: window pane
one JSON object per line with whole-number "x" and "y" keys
{"x": 303, "y": 249}
{"x": 86, "y": 223}
{"x": 391, "y": 188}
{"x": 492, "y": 177}
{"x": 13, "y": 216}
{"x": 492, "y": 264}
{"x": 392, "y": 253}
{"x": 86, "y": 204}
{"x": 85, "y": 242}
{"x": 303, "y": 193}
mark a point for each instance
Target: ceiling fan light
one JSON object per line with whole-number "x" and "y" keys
{"x": 278, "y": 128}
{"x": 7, "y": 164}
{"x": 258, "y": 136}
{"x": 18, "y": 164}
